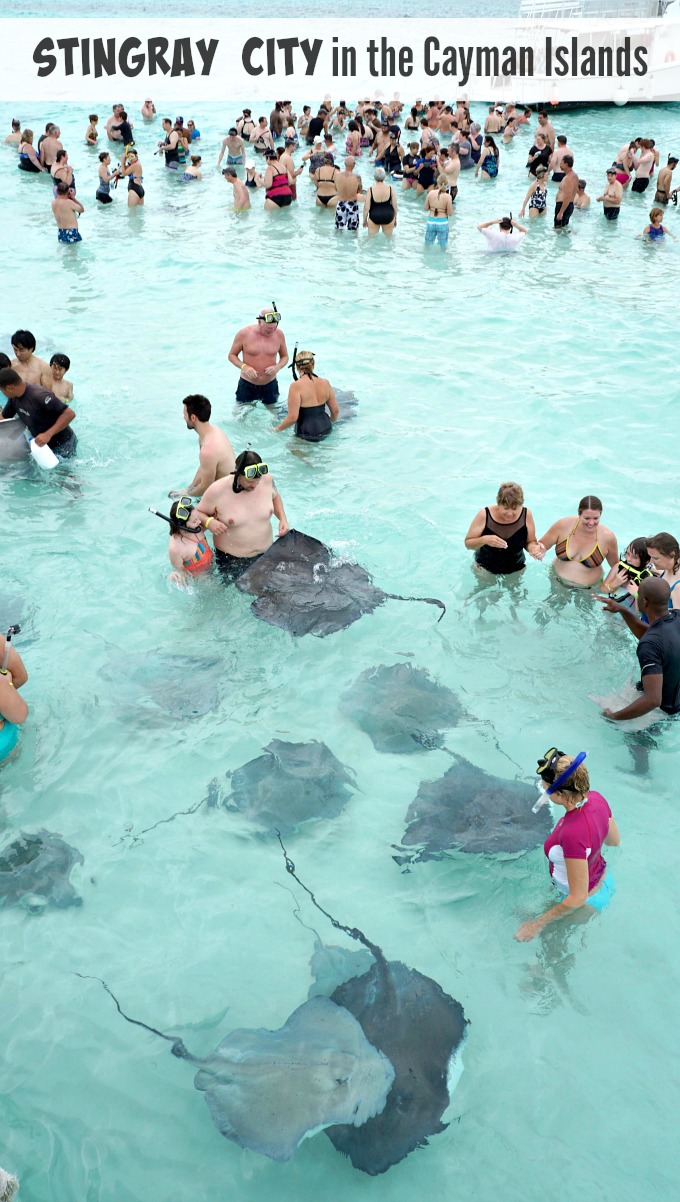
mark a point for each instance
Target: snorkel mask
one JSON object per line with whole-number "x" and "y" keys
{"x": 184, "y": 507}
{"x": 272, "y": 317}
{"x": 635, "y": 575}
{"x": 547, "y": 768}
{"x": 251, "y": 471}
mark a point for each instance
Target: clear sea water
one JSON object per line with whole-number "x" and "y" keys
{"x": 556, "y": 367}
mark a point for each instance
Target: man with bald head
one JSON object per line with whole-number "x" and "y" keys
{"x": 259, "y": 351}
{"x": 348, "y": 187}
{"x": 658, "y": 650}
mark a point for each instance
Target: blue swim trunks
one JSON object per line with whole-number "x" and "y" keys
{"x": 437, "y": 230}
{"x": 235, "y": 160}
{"x": 69, "y": 236}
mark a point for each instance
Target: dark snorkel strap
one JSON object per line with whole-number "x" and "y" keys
{"x": 427, "y": 600}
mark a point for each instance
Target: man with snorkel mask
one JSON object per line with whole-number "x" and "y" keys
{"x": 238, "y": 511}
{"x": 259, "y": 351}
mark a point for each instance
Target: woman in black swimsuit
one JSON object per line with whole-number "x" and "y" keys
{"x": 380, "y": 206}
{"x": 312, "y": 407}
{"x": 501, "y": 533}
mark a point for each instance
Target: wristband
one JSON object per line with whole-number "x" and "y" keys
{"x": 207, "y": 523}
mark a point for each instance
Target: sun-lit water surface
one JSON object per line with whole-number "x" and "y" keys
{"x": 556, "y": 367}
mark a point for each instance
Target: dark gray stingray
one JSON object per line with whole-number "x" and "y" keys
{"x": 288, "y": 785}
{"x": 301, "y": 586}
{"x": 268, "y": 1090}
{"x": 419, "y": 1028}
{"x": 473, "y": 811}
{"x": 35, "y": 871}
{"x": 332, "y": 965}
{"x": 181, "y": 686}
{"x": 401, "y": 708}
{"x": 347, "y": 404}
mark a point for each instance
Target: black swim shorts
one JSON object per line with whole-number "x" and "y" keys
{"x": 267, "y": 393}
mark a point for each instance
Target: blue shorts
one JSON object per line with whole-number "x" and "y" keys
{"x": 9, "y": 737}
{"x": 437, "y": 230}
{"x": 235, "y": 160}
{"x": 247, "y": 391}
{"x": 69, "y": 236}
{"x": 604, "y": 894}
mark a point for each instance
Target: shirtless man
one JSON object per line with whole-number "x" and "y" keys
{"x": 66, "y": 210}
{"x": 494, "y": 122}
{"x": 462, "y": 116}
{"x": 545, "y": 128}
{"x": 286, "y": 161}
{"x": 612, "y": 196}
{"x": 114, "y": 135}
{"x": 26, "y": 364}
{"x": 447, "y": 122}
{"x": 566, "y": 193}
{"x": 664, "y": 183}
{"x": 348, "y": 186}
{"x": 238, "y": 511}
{"x": 255, "y": 351}
{"x": 235, "y": 148}
{"x": 241, "y": 193}
{"x": 216, "y": 457}
{"x": 49, "y": 145}
{"x": 555, "y": 164}
{"x": 14, "y": 138}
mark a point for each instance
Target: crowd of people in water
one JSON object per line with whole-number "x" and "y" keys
{"x": 428, "y": 151}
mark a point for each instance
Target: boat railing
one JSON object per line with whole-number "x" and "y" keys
{"x": 532, "y": 10}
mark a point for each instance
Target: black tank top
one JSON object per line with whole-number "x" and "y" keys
{"x": 496, "y": 559}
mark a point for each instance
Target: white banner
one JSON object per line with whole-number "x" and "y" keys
{"x": 303, "y": 60}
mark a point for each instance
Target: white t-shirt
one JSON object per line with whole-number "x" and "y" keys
{"x": 498, "y": 239}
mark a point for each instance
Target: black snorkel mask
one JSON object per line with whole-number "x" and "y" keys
{"x": 633, "y": 575}
{"x": 547, "y": 772}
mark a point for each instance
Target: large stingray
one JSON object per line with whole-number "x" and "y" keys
{"x": 181, "y": 686}
{"x": 473, "y": 811}
{"x": 347, "y": 404}
{"x": 401, "y": 708}
{"x": 35, "y": 870}
{"x": 301, "y": 586}
{"x": 268, "y": 1090}
{"x": 288, "y": 785}
{"x": 13, "y": 443}
{"x": 419, "y": 1028}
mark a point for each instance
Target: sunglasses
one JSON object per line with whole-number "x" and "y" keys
{"x": 254, "y": 470}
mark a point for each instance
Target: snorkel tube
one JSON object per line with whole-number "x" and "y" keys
{"x": 546, "y": 771}
{"x": 8, "y": 640}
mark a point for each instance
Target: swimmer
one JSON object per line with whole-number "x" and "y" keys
{"x": 278, "y": 191}
{"x": 449, "y": 166}
{"x": 324, "y": 178}
{"x": 215, "y": 453}
{"x": 91, "y": 134}
{"x": 643, "y": 164}
{"x": 544, "y": 127}
{"x": 47, "y": 419}
{"x": 188, "y": 548}
{"x": 426, "y": 168}
{"x": 566, "y": 192}
{"x": 508, "y": 237}
{"x": 48, "y": 145}
{"x": 409, "y": 166}
{"x": 493, "y": 123}
{"x": 13, "y": 708}
{"x": 539, "y": 155}
{"x": 28, "y": 156}
{"x": 29, "y": 366}
{"x": 658, "y": 651}
{"x": 664, "y": 553}
{"x": 286, "y": 160}
{"x": 238, "y": 513}
{"x": 245, "y": 125}
{"x": 124, "y": 127}
{"x": 556, "y": 164}
{"x": 55, "y": 381}
{"x": 106, "y": 178}
{"x": 194, "y": 134}
{"x": 500, "y": 533}
{"x": 577, "y": 561}
{"x": 114, "y": 119}
{"x": 132, "y": 169}
{"x": 656, "y": 231}
{"x": 312, "y": 407}
{"x": 241, "y": 194}
{"x": 62, "y": 172}
{"x": 66, "y": 209}
{"x": 234, "y": 147}
{"x": 261, "y": 138}
{"x": 574, "y": 849}
{"x": 260, "y": 352}
{"x": 489, "y": 159}
{"x": 348, "y": 184}
{"x": 253, "y": 177}
{"x": 169, "y": 147}
{"x": 438, "y": 208}
{"x": 148, "y": 110}
{"x": 612, "y": 196}
{"x": 14, "y": 138}
{"x": 537, "y": 195}
{"x": 625, "y": 579}
{"x": 664, "y": 183}
{"x": 193, "y": 172}
{"x": 380, "y": 206}
{"x": 582, "y": 199}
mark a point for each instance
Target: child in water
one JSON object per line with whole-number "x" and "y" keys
{"x": 624, "y": 580}
{"x": 189, "y": 551}
{"x": 656, "y": 231}
{"x": 91, "y": 132}
{"x": 62, "y": 388}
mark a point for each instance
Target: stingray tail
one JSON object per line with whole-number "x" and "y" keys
{"x": 427, "y": 600}
{"x": 353, "y": 932}
{"x": 178, "y": 1049}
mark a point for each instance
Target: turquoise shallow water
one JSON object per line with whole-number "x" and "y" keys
{"x": 556, "y": 367}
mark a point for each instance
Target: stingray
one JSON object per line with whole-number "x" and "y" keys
{"x": 181, "y": 686}
{"x": 269, "y": 1090}
{"x": 13, "y": 444}
{"x": 347, "y": 404}
{"x": 332, "y": 965}
{"x": 288, "y": 785}
{"x": 301, "y": 586}
{"x": 35, "y": 871}
{"x": 472, "y": 811}
{"x": 401, "y": 708}
{"x": 409, "y": 1018}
